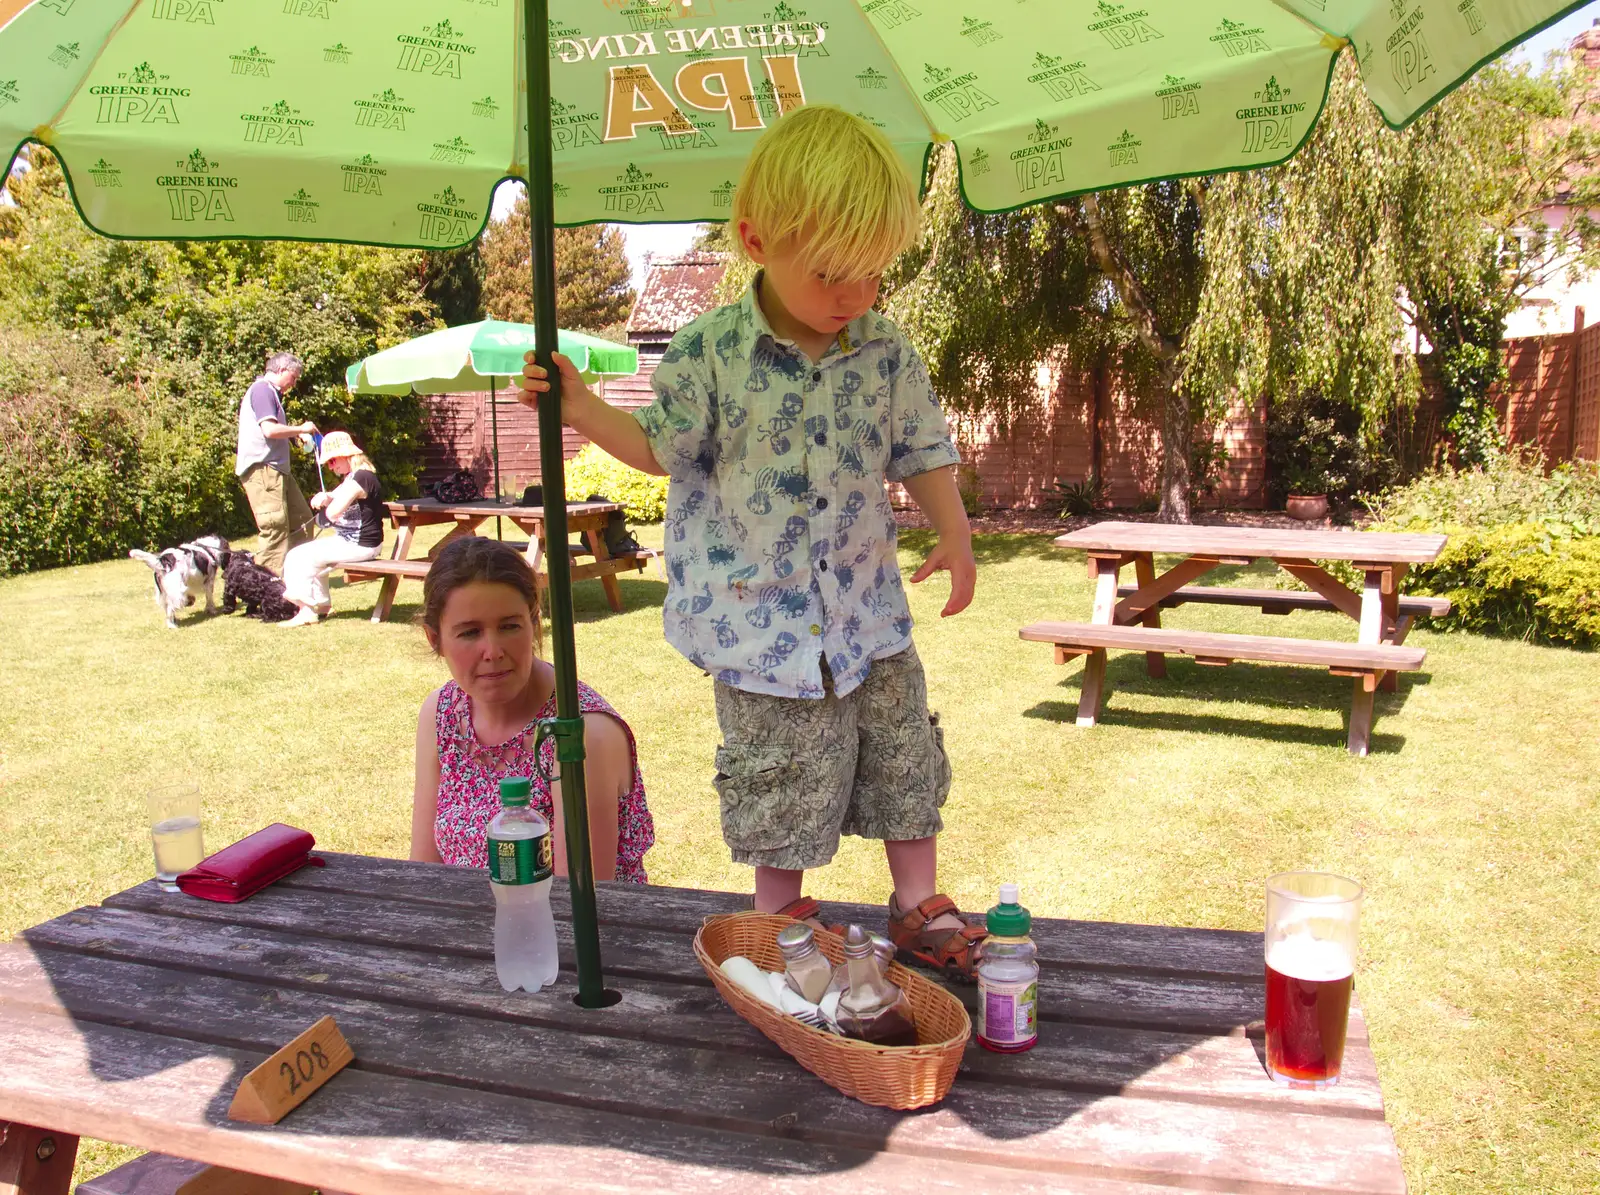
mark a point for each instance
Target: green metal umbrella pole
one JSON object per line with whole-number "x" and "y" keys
{"x": 390, "y": 122}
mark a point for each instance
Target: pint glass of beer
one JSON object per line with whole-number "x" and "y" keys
{"x": 1311, "y": 962}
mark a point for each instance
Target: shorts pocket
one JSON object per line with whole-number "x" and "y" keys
{"x": 757, "y": 787}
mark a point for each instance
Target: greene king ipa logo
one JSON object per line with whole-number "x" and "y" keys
{"x": 1039, "y": 163}
{"x": 701, "y": 138}
{"x": 276, "y": 124}
{"x": 196, "y": 192}
{"x": 1409, "y": 57}
{"x": 958, "y": 95}
{"x": 8, "y": 92}
{"x": 1178, "y": 98}
{"x": 385, "y": 110}
{"x": 65, "y": 55}
{"x": 1124, "y": 151}
{"x": 808, "y": 47}
{"x": 252, "y": 62}
{"x": 1122, "y": 29}
{"x": 646, "y": 15}
{"x": 979, "y": 33}
{"x": 871, "y": 80}
{"x": 978, "y": 163}
{"x": 485, "y": 107}
{"x": 1269, "y": 126}
{"x": 363, "y": 176}
{"x": 104, "y": 174}
{"x": 1060, "y": 80}
{"x": 455, "y": 151}
{"x": 308, "y": 8}
{"x": 300, "y": 208}
{"x": 1469, "y": 13}
{"x": 195, "y": 12}
{"x": 437, "y": 50}
{"x": 890, "y": 13}
{"x": 338, "y": 54}
{"x": 722, "y": 195}
{"x": 571, "y": 127}
{"x": 559, "y": 31}
{"x": 445, "y": 221}
{"x": 1236, "y": 40}
{"x": 634, "y": 193}
{"x": 139, "y": 96}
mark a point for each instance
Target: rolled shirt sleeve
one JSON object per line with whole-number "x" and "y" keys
{"x": 679, "y": 424}
{"x": 265, "y": 403}
{"x": 920, "y": 436}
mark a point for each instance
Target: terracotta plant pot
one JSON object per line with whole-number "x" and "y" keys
{"x": 1308, "y": 508}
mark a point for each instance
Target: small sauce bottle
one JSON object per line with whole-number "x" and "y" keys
{"x": 1008, "y": 979}
{"x": 805, "y": 968}
{"x": 872, "y": 1008}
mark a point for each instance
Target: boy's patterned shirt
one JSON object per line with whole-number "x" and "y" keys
{"x": 780, "y": 541}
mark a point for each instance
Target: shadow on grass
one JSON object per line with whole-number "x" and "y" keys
{"x": 1175, "y": 720}
{"x": 588, "y": 602}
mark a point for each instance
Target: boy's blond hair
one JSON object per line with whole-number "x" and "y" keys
{"x": 830, "y": 177}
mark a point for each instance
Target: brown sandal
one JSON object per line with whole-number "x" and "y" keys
{"x": 952, "y": 951}
{"x": 803, "y": 908}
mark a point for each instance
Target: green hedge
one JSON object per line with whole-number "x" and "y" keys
{"x": 594, "y": 471}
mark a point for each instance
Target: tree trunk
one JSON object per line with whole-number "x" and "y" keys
{"x": 1177, "y": 434}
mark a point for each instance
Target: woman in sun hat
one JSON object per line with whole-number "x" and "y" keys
{"x": 354, "y": 509}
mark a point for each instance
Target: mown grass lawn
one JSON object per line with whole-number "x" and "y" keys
{"x": 1473, "y": 823}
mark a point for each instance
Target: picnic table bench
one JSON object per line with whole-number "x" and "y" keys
{"x": 1128, "y": 617}
{"x": 587, "y": 518}
{"x": 133, "y": 1021}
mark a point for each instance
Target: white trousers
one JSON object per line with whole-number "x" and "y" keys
{"x": 305, "y": 568}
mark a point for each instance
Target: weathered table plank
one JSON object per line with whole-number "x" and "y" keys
{"x": 1147, "y": 1072}
{"x": 1253, "y": 542}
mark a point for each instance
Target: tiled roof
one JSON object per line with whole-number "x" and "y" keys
{"x": 676, "y": 290}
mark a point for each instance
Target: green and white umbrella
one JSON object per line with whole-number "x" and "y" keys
{"x": 487, "y": 355}
{"x": 391, "y": 121}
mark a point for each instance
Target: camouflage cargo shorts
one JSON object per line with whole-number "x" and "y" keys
{"x": 794, "y": 774}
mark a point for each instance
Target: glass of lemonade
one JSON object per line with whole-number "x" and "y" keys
{"x": 1311, "y": 962}
{"x": 175, "y": 831}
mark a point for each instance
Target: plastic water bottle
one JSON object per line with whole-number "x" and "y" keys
{"x": 1008, "y": 979}
{"x": 520, "y": 867}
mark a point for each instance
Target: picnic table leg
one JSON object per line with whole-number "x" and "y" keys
{"x": 1373, "y": 630}
{"x": 596, "y": 540}
{"x": 1144, "y": 570}
{"x": 1360, "y": 736}
{"x": 1392, "y": 633}
{"x": 35, "y": 1161}
{"x": 1105, "y": 571}
{"x": 389, "y": 586}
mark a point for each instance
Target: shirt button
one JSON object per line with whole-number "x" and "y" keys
{"x": 816, "y": 375}
{"x": 820, "y": 438}
{"x": 822, "y": 504}
{"x": 815, "y": 629}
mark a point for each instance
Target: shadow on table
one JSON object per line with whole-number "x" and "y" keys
{"x": 670, "y": 1072}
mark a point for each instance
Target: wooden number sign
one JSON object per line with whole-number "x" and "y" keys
{"x": 283, "y": 1082}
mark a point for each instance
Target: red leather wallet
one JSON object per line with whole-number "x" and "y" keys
{"x": 250, "y": 864}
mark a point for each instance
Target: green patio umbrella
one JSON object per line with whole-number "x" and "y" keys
{"x": 486, "y": 355}
{"x": 391, "y": 121}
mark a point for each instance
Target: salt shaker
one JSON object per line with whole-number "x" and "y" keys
{"x": 872, "y": 1008}
{"x": 807, "y": 972}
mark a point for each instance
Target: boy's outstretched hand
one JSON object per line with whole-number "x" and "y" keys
{"x": 956, "y": 558}
{"x": 535, "y": 380}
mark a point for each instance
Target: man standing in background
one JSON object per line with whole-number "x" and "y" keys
{"x": 282, "y": 514}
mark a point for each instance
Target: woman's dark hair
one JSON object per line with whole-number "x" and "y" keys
{"x": 474, "y": 558}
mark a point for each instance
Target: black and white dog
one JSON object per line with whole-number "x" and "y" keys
{"x": 185, "y": 572}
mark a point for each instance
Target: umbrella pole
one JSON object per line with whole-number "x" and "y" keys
{"x": 494, "y": 424}
{"x": 568, "y": 723}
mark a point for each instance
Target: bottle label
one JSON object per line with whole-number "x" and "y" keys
{"x": 521, "y": 860}
{"x": 1008, "y": 1011}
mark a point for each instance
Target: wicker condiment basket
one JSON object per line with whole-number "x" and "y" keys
{"x": 902, "y": 1077}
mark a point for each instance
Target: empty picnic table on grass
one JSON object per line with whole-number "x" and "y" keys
{"x": 1128, "y": 617}
{"x": 134, "y": 1022}
{"x": 587, "y": 518}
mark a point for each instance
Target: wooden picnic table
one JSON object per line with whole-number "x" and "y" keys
{"x": 587, "y": 518}
{"x": 134, "y": 1022}
{"x": 1129, "y": 616}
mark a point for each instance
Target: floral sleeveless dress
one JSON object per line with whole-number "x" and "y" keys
{"x": 470, "y": 775}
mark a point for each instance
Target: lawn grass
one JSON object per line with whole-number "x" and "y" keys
{"x": 1473, "y": 822}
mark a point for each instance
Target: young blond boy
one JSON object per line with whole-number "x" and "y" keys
{"x": 779, "y": 419}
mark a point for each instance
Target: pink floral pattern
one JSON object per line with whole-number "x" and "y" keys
{"x": 470, "y": 775}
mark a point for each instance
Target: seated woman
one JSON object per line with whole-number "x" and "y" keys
{"x": 481, "y": 614}
{"x": 356, "y": 512}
